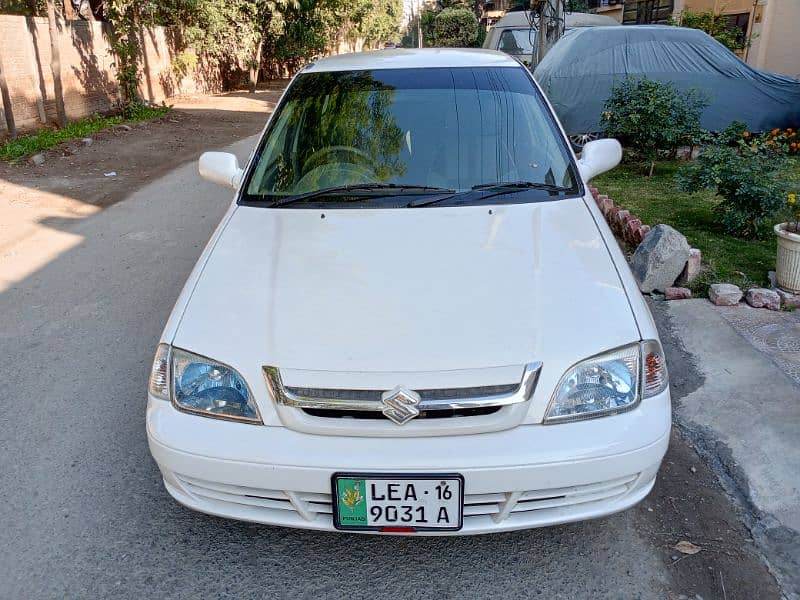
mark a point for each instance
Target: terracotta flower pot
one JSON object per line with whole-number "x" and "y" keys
{"x": 787, "y": 269}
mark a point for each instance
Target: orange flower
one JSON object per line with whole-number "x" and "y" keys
{"x": 746, "y": 134}
{"x": 793, "y": 145}
{"x": 775, "y": 131}
{"x": 794, "y": 134}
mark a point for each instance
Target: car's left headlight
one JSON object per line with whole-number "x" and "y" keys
{"x": 201, "y": 385}
{"x": 609, "y": 383}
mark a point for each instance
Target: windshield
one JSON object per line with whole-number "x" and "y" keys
{"x": 517, "y": 41}
{"x": 407, "y": 131}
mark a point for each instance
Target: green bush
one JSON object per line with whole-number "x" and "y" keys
{"x": 650, "y": 117}
{"x": 717, "y": 26}
{"x": 456, "y": 27}
{"x": 751, "y": 182}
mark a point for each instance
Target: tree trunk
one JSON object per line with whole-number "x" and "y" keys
{"x": 256, "y": 67}
{"x": 55, "y": 63}
{"x": 7, "y": 108}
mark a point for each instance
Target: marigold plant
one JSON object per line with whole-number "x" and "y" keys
{"x": 781, "y": 141}
{"x": 792, "y": 213}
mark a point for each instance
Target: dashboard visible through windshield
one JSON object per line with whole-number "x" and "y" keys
{"x": 455, "y": 135}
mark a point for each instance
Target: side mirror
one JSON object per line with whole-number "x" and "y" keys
{"x": 599, "y": 156}
{"x": 220, "y": 167}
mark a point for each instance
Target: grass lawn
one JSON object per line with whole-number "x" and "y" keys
{"x": 657, "y": 200}
{"x": 47, "y": 138}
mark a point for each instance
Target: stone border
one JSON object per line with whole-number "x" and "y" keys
{"x": 622, "y": 222}
{"x": 630, "y": 228}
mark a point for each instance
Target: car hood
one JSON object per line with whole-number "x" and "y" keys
{"x": 379, "y": 292}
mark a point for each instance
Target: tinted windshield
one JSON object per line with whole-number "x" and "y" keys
{"x": 449, "y": 129}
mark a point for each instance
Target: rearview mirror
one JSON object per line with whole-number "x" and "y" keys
{"x": 599, "y": 156}
{"x": 220, "y": 167}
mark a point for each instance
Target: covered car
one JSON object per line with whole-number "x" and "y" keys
{"x": 579, "y": 71}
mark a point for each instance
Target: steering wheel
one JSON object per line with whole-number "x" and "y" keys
{"x": 333, "y": 174}
{"x": 330, "y": 149}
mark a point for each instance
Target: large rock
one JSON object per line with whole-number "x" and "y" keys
{"x": 660, "y": 258}
{"x": 724, "y": 294}
{"x": 763, "y": 298}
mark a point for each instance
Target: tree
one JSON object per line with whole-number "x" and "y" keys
{"x": 576, "y": 6}
{"x": 55, "y": 63}
{"x": 7, "y": 108}
{"x": 456, "y": 27}
{"x": 427, "y": 25}
{"x": 468, "y": 4}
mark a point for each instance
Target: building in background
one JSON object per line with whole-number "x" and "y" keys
{"x": 492, "y": 11}
{"x": 610, "y": 8}
{"x": 771, "y": 27}
{"x": 646, "y": 12}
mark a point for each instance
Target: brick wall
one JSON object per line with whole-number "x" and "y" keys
{"x": 87, "y": 70}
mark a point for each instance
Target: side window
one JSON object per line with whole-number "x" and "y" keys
{"x": 267, "y": 172}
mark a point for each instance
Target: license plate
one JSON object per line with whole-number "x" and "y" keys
{"x": 397, "y": 503}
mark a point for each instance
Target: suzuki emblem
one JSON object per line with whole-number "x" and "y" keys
{"x": 400, "y": 404}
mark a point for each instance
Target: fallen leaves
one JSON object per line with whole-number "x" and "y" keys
{"x": 685, "y": 547}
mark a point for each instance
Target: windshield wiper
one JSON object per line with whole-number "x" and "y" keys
{"x": 361, "y": 187}
{"x": 521, "y": 185}
{"x": 496, "y": 189}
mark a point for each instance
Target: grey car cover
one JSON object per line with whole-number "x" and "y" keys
{"x": 578, "y": 72}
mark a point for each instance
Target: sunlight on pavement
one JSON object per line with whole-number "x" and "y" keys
{"x": 260, "y": 101}
{"x": 32, "y": 229}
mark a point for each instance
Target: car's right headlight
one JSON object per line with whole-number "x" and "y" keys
{"x": 201, "y": 385}
{"x": 609, "y": 383}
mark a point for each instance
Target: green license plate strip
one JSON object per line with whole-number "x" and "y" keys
{"x": 398, "y": 502}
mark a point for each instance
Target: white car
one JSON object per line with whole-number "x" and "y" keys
{"x": 413, "y": 317}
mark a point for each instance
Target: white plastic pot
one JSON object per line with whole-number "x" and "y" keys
{"x": 787, "y": 268}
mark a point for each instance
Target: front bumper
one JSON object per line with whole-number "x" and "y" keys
{"x": 528, "y": 476}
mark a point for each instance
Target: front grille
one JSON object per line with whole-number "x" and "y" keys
{"x": 427, "y": 414}
{"x": 431, "y": 403}
{"x": 498, "y": 505}
{"x": 375, "y": 395}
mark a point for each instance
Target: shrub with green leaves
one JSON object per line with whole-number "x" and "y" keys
{"x": 456, "y": 28}
{"x": 650, "y": 117}
{"x": 715, "y": 25}
{"x": 752, "y": 185}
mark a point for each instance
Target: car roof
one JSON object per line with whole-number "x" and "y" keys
{"x": 520, "y": 18}
{"x": 412, "y": 58}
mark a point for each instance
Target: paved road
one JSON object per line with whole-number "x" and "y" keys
{"x": 84, "y": 513}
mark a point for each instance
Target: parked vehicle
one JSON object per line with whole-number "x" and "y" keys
{"x": 579, "y": 71}
{"x": 413, "y": 317}
{"x": 514, "y": 35}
